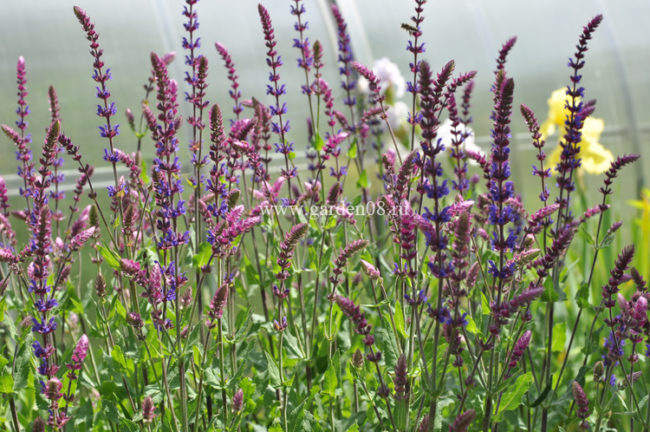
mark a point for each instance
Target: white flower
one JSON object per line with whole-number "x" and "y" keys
{"x": 444, "y": 133}
{"x": 397, "y": 114}
{"x": 389, "y": 75}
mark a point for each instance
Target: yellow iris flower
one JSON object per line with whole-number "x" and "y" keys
{"x": 595, "y": 158}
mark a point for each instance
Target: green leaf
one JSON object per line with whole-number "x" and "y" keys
{"x": 111, "y": 258}
{"x": 6, "y": 383}
{"x": 401, "y": 413}
{"x": 550, "y": 294}
{"x": 292, "y": 155}
{"x": 388, "y": 344}
{"x": 120, "y": 309}
{"x": 485, "y": 305}
{"x": 297, "y": 415}
{"x": 471, "y": 326}
{"x": 512, "y": 396}
{"x": 202, "y": 256}
{"x": 23, "y": 366}
{"x": 352, "y": 152}
{"x": 541, "y": 396}
{"x": 118, "y": 356}
{"x": 331, "y": 223}
{"x": 272, "y": 370}
{"x": 363, "y": 180}
{"x": 293, "y": 347}
{"x": 559, "y": 337}
{"x": 143, "y": 172}
{"x": 330, "y": 382}
{"x": 582, "y": 296}
{"x": 318, "y": 143}
{"x": 399, "y": 319}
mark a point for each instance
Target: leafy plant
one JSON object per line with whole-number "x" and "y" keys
{"x": 409, "y": 289}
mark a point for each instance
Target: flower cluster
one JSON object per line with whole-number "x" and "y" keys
{"x": 101, "y": 77}
{"x": 362, "y": 327}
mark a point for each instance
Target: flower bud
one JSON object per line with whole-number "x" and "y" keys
{"x": 238, "y": 400}
{"x": 100, "y": 286}
{"x": 357, "y": 359}
{"x": 148, "y": 409}
{"x": 38, "y": 425}
{"x": 134, "y": 319}
{"x": 599, "y": 371}
{"x": 369, "y": 269}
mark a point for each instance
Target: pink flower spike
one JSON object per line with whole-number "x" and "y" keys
{"x": 370, "y": 270}
{"x": 7, "y": 256}
{"x": 130, "y": 267}
{"x": 80, "y": 239}
{"x": 81, "y": 350}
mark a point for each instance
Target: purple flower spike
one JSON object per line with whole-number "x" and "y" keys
{"x": 345, "y": 58}
{"x": 581, "y": 402}
{"x": 306, "y": 59}
{"x": 238, "y": 400}
{"x": 369, "y": 269}
{"x": 287, "y": 248}
{"x": 148, "y": 410}
{"x": 519, "y": 349}
{"x": 577, "y": 113}
{"x": 503, "y": 53}
{"x": 463, "y": 421}
{"x": 401, "y": 380}
{"x": 100, "y": 76}
{"x": 617, "y": 276}
{"x": 23, "y": 108}
{"x": 345, "y": 255}
{"x": 234, "y": 92}
{"x": 79, "y": 355}
{"x": 373, "y": 81}
{"x": 218, "y": 303}
{"x": 353, "y": 312}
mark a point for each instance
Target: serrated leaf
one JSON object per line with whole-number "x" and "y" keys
{"x": 111, "y": 258}
{"x": 550, "y": 295}
{"x": 559, "y": 337}
{"x": 388, "y": 345}
{"x": 119, "y": 308}
{"x": 23, "y": 366}
{"x": 6, "y": 383}
{"x": 330, "y": 381}
{"x": 202, "y": 256}
{"x": 471, "y": 325}
{"x": 118, "y": 356}
{"x": 541, "y": 396}
{"x": 512, "y": 396}
{"x": 272, "y": 370}
{"x": 318, "y": 143}
{"x": 399, "y": 319}
{"x": 331, "y": 223}
{"x": 485, "y": 305}
{"x": 582, "y": 296}
{"x": 143, "y": 172}
{"x": 363, "y": 180}
{"x": 352, "y": 152}
{"x": 293, "y": 347}
{"x": 297, "y": 415}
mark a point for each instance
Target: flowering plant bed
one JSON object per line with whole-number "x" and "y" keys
{"x": 224, "y": 297}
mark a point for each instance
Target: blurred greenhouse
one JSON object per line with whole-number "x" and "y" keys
{"x": 431, "y": 256}
{"x": 470, "y": 31}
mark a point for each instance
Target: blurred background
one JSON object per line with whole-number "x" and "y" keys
{"x": 48, "y": 35}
